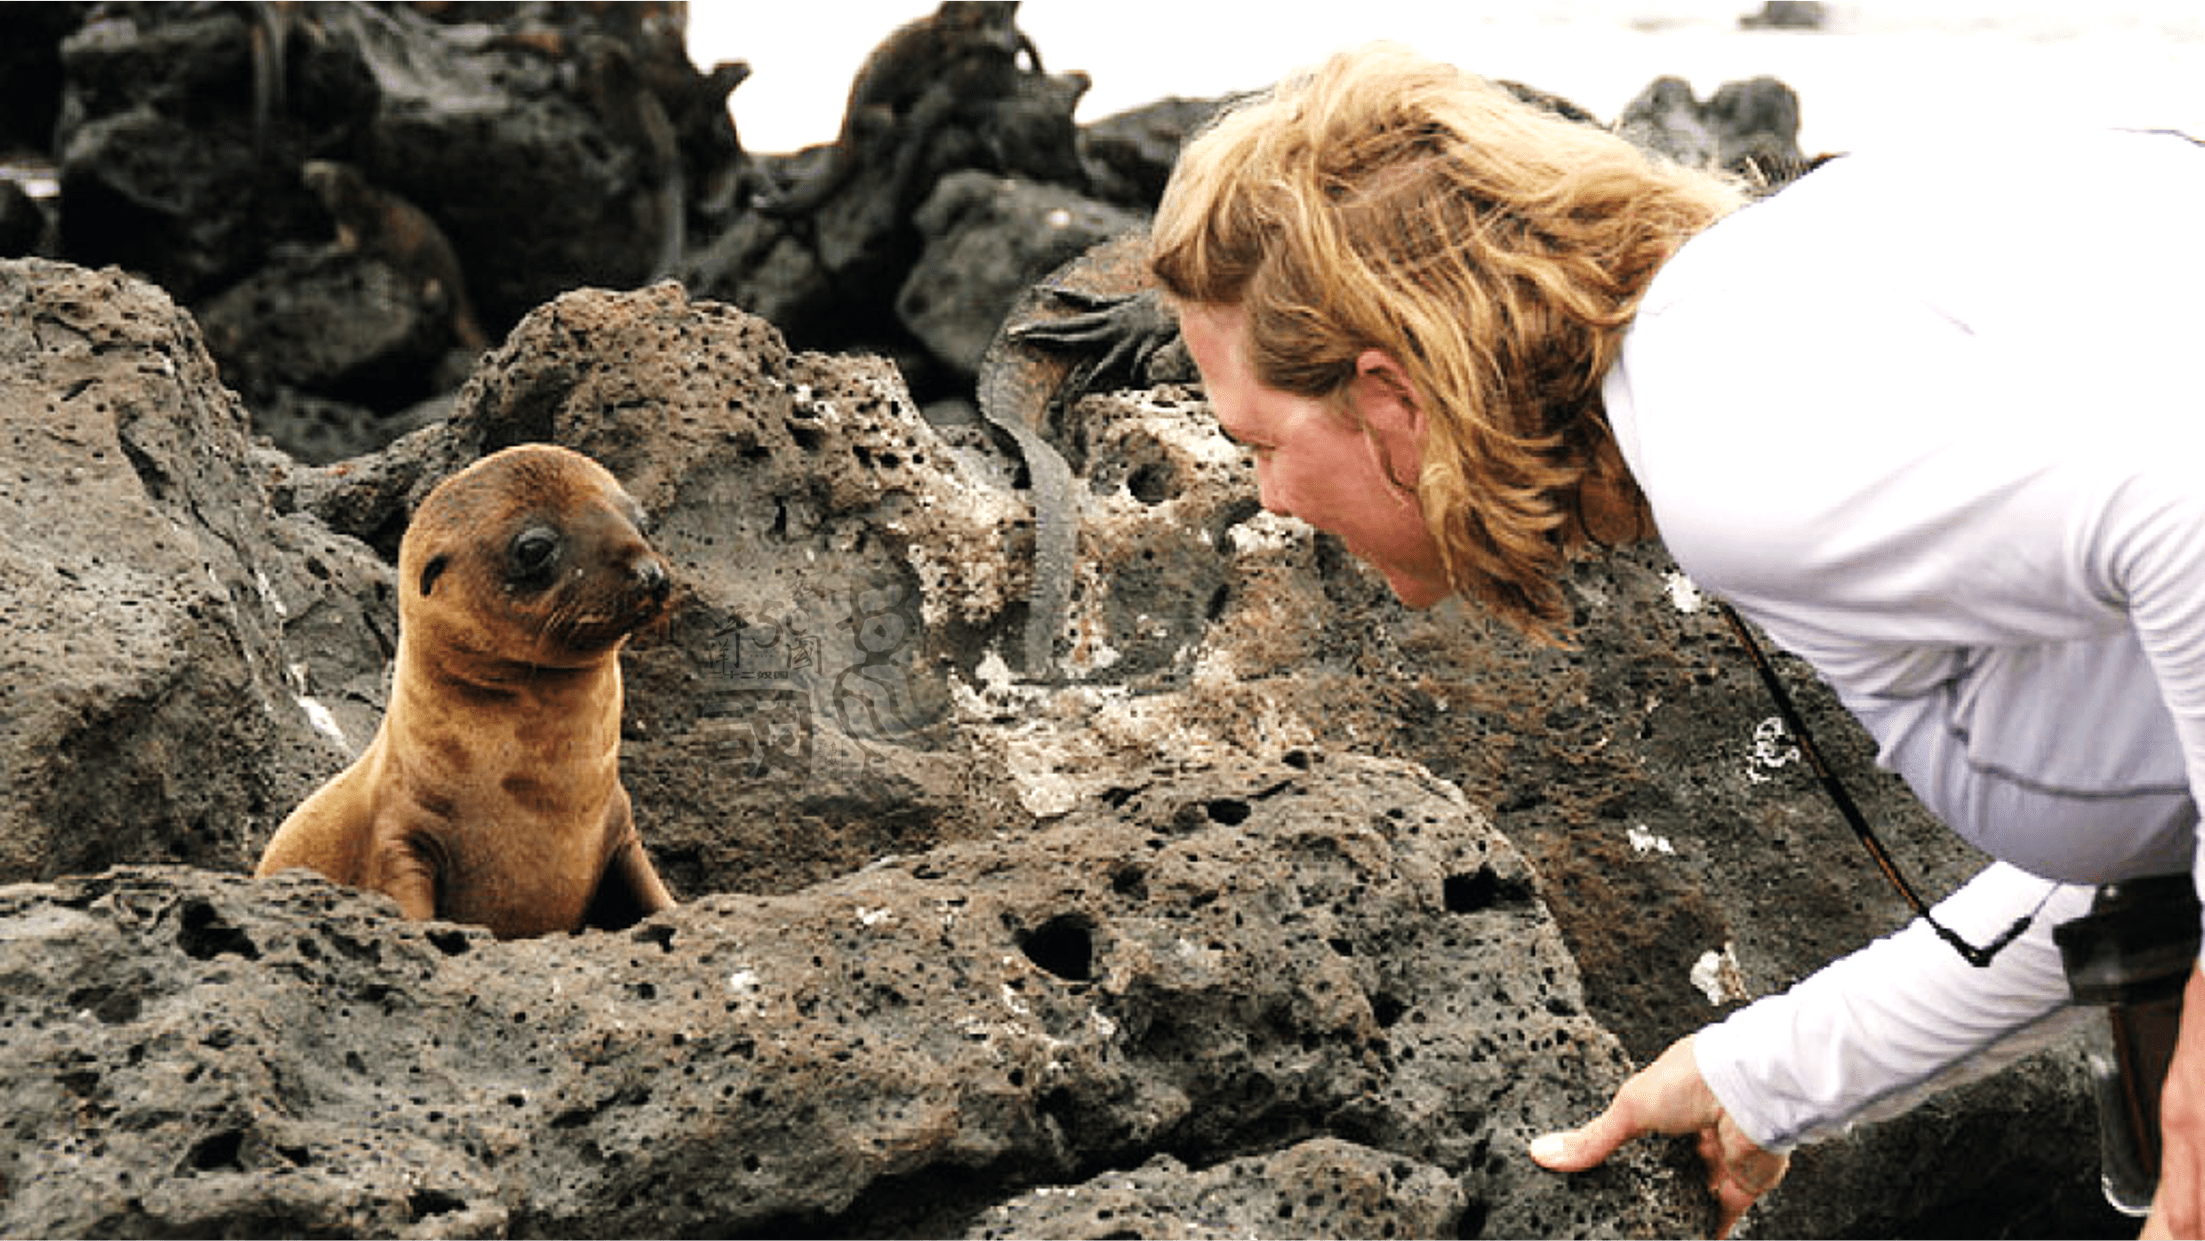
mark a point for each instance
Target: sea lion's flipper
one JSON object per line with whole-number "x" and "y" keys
{"x": 406, "y": 868}
{"x": 630, "y": 890}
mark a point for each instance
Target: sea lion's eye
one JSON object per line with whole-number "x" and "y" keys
{"x": 534, "y": 551}
{"x": 432, "y": 571}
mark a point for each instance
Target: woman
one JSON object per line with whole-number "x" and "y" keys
{"x": 1925, "y": 418}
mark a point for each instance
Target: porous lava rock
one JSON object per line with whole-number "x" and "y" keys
{"x": 150, "y": 707}
{"x": 1215, "y": 963}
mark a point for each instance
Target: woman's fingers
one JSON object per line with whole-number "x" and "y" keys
{"x": 1670, "y": 1096}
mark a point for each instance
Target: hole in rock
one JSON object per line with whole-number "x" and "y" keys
{"x": 218, "y": 1152}
{"x": 1058, "y": 1105}
{"x": 451, "y": 943}
{"x": 205, "y": 936}
{"x": 1130, "y": 882}
{"x": 1387, "y": 1010}
{"x": 111, "y": 1006}
{"x": 1231, "y": 811}
{"x": 1467, "y": 894}
{"x": 426, "y": 1202}
{"x": 1063, "y": 946}
{"x": 1151, "y": 484}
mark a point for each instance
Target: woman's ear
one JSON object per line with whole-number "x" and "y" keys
{"x": 1386, "y": 404}
{"x": 1383, "y": 388}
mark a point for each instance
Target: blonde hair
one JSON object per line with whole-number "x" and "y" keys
{"x": 1495, "y": 250}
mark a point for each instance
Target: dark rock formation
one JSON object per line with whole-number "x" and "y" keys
{"x": 931, "y": 75}
{"x": 827, "y": 261}
{"x": 349, "y": 327}
{"x": 989, "y": 239}
{"x": 511, "y": 152}
{"x": 1216, "y": 963}
{"x": 502, "y": 133}
{"x": 829, "y": 280}
{"x": 162, "y": 170}
{"x": 30, "y": 72}
{"x": 151, "y": 703}
{"x": 545, "y": 146}
{"x": 1787, "y": 15}
{"x": 1129, "y": 154}
{"x": 1749, "y": 127}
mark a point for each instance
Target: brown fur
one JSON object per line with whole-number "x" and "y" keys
{"x": 491, "y": 793}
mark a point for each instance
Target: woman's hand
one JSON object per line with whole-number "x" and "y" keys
{"x": 2178, "y": 1210}
{"x": 1670, "y": 1096}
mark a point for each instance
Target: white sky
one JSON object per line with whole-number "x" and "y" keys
{"x": 1884, "y": 66}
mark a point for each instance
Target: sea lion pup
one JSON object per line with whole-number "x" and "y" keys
{"x": 491, "y": 793}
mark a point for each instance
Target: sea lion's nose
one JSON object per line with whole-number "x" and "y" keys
{"x": 650, "y": 575}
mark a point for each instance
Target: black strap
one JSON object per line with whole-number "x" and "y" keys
{"x": 1797, "y": 727}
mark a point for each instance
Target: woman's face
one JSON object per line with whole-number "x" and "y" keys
{"x": 1315, "y": 464}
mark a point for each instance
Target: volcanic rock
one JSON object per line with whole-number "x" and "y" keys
{"x": 151, "y": 703}
{"x": 1220, "y": 961}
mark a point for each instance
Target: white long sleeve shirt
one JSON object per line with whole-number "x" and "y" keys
{"x": 1932, "y": 419}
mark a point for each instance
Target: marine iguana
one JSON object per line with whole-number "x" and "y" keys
{"x": 381, "y": 224}
{"x": 1040, "y": 362}
{"x": 614, "y": 86}
{"x": 964, "y": 52}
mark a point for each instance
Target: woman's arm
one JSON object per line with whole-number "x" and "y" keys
{"x": 2179, "y": 1208}
{"x": 1873, "y": 1033}
{"x": 1867, "y": 1037}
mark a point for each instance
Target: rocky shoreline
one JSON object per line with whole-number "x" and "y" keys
{"x": 1267, "y": 909}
